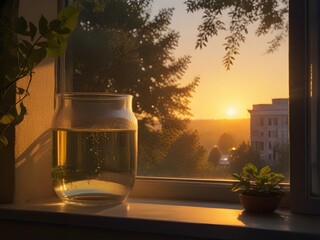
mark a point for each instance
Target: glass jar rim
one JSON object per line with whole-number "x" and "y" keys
{"x": 94, "y": 96}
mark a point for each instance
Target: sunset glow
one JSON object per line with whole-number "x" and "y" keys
{"x": 231, "y": 112}
{"x": 255, "y": 77}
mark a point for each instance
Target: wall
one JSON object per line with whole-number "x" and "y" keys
{"x": 33, "y": 136}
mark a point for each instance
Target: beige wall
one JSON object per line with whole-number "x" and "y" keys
{"x": 33, "y": 136}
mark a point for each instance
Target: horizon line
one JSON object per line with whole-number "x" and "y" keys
{"x": 216, "y": 119}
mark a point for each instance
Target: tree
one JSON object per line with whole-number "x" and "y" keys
{"x": 214, "y": 155}
{"x": 271, "y": 17}
{"x": 119, "y": 47}
{"x": 180, "y": 162}
{"x": 282, "y": 163}
{"x": 226, "y": 142}
{"x": 242, "y": 155}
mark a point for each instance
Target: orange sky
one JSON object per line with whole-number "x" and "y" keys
{"x": 254, "y": 78}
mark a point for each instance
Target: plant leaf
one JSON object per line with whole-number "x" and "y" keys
{"x": 43, "y": 25}
{"x": 69, "y": 17}
{"x": 7, "y": 119}
{"x": 56, "y": 47}
{"x": 33, "y": 30}
{"x": 236, "y": 187}
{"x": 22, "y": 26}
{"x": 55, "y": 25}
{"x": 236, "y": 176}
{"x": 36, "y": 56}
{"x": 265, "y": 170}
{"x": 3, "y": 140}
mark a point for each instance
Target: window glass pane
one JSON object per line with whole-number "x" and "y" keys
{"x": 210, "y": 92}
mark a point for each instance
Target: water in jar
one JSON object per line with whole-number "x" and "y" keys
{"x": 94, "y": 167}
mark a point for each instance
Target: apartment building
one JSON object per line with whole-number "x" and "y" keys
{"x": 269, "y": 128}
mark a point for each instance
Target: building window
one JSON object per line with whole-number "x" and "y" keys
{"x": 275, "y": 121}
{"x": 275, "y": 134}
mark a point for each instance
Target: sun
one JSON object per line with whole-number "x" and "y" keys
{"x": 231, "y": 112}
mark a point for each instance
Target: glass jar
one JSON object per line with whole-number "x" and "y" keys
{"x": 94, "y": 148}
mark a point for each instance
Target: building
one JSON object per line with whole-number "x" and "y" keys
{"x": 269, "y": 128}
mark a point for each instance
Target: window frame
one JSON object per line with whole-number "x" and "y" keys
{"x": 219, "y": 190}
{"x": 301, "y": 30}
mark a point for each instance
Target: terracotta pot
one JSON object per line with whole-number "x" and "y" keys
{"x": 260, "y": 204}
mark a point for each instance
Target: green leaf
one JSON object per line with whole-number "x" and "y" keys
{"x": 236, "y": 176}
{"x": 22, "y": 26}
{"x": 43, "y": 25}
{"x": 3, "y": 140}
{"x": 265, "y": 170}
{"x": 56, "y": 45}
{"x": 69, "y": 17}
{"x": 6, "y": 119}
{"x": 236, "y": 187}
{"x": 64, "y": 31}
{"x": 250, "y": 169}
{"x": 33, "y": 30}
{"x": 36, "y": 56}
{"x": 55, "y": 25}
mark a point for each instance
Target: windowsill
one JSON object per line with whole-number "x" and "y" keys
{"x": 175, "y": 218}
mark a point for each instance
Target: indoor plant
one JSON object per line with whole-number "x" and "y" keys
{"x": 260, "y": 189}
{"x": 23, "y": 46}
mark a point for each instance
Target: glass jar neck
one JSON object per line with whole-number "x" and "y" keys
{"x": 115, "y": 101}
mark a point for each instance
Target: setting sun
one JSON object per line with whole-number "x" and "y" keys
{"x": 231, "y": 112}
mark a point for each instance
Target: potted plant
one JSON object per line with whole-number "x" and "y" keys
{"x": 259, "y": 188}
{"x": 23, "y": 46}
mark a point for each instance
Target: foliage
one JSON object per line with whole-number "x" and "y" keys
{"x": 271, "y": 17}
{"x": 25, "y": 45}
{"x": 226, "y": 142}
{"x": 282, "y": 161}
{"x": 135, "y": 56}
{"x": 242, "y": 155}
{"x": 119, "y": 47}
{"x": 214, "y": 155}
{"x": 181, "y": 162}
{"x": 252, "y": 181}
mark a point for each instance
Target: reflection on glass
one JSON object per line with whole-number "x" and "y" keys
{"x": 193, "y": 112}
